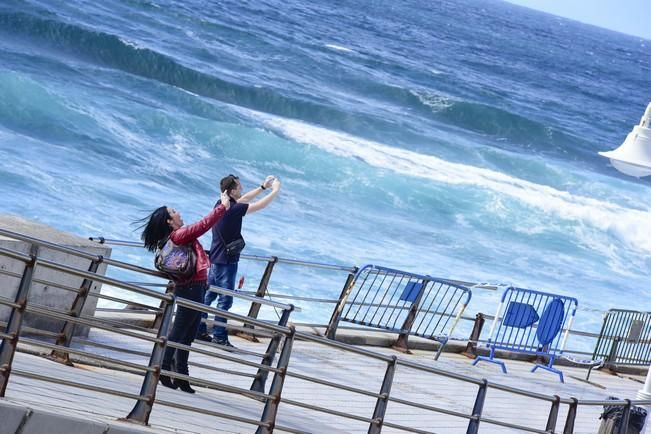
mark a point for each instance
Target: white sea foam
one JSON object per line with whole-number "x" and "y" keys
{"x": 436, "y": 102}
{"x": 131, "y": 44}
{"x": 629, "y": 226}
{"x": 339, "y": 48}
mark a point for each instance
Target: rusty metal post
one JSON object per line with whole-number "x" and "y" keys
{"x": 65, "y": 335}
{"x": 271, "y": 407}
{"x": 9, "y": 344}
{"x": 473, "y": 424}
{"x": 553, "y": 415}
{"x": 262, "y": 287}
{"x": 260, "y": 292}
{"x": 158, "y": 320}
{"x": 623, "y": 423}
{"x": 141, "y": 411}
{"x": 331, "y": 330}
{"x": 262, "y": 374}
{"x": 471, "y": 348}
{"x": 571, "y": 417}
{"x": 401, "y": 344}
{"x": 381, "y": 404}
{"x": 611, "y": 360}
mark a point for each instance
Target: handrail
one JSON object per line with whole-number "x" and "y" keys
{"x": 238, "y": 294}
{"x": 107, "y": 241}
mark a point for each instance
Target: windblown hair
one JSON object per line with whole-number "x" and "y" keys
{"x": 156, "y": 229}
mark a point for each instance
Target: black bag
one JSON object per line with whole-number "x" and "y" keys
{"x": 235, "y": 247}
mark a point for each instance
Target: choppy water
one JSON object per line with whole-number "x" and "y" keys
{"x": 454, "y": 138}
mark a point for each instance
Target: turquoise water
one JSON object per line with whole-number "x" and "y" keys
{"x": 453, "y": 138}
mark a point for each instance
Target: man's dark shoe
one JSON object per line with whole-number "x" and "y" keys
{"x": 224, "y": 343}
{"x": 184, "y": 385}
{"x": 167, "y": 382}
{"x": 204, "y": 337}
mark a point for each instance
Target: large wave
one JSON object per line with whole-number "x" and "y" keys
{"x": 114, "y": 52}
{"x": 627, "y": 225}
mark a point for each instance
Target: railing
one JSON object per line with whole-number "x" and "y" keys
{"x": 273, "y": 398}
{"x": 265, "y": 288}
{"x": 625, "y": 338}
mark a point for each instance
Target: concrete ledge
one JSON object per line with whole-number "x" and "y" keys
{"x": 12, "y": 417}
{"x": 49, "y": 287}
{"x": 16, "y": 419}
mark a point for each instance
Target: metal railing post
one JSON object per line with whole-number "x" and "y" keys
{"x": 382, "y": 401}
{"x": 471, "y": 348}
{"x": 169, "y": 290}
{"x": 9, "y": 344}
{"x": 405, "y": 330}
{"x": 331, "y": 330}
{"x": 262, "y": 286}
{"x": 254, "y": 310}
{"x": 271, "y": 407}
{"x": 473, "y": 423}
{"x": 571, "y": 417}
{"x": 553, "y": 415}
{"x": 611, "y": 360}
{"x": 65, "y": 336}
{"x": 141, "y": 411}
{"x": 262, "y": 374}
{"x": 623, "y": 423}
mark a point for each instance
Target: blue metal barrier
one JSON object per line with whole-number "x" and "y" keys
{"x": 407, "y": 303}
{"x": 531, "y": 322}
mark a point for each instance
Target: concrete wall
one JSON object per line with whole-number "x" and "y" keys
{"x": 16, "y": 418}
{"x": 48, "y": 292}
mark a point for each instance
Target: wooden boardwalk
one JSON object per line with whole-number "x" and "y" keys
{"x": 326, "y": 363}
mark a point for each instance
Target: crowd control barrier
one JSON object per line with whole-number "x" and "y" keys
{"x": 625, "y": 338}
{"x": 531, "y": 322}
{"x": 407, "y": 303}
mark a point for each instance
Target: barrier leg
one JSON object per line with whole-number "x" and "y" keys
{"x": 549, "y": 368}
{"x": 490, "y": 359}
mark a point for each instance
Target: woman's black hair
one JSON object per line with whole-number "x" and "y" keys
{"x": 156, "y": 229}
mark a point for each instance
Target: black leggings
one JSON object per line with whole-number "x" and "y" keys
{"x": 185, "y": 326}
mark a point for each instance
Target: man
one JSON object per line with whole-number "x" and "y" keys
{"x": 226, "y": 236}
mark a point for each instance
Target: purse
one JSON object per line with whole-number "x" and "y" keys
{"x": 178, "y": 261}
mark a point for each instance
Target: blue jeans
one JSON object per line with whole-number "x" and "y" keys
{"x": 223, "y": 276}
{"x": 184, "y": 328}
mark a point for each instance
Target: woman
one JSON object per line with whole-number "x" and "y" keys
{"x": 166, "y": 223}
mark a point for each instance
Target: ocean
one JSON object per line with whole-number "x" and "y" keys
{"x": 452, "y": 138}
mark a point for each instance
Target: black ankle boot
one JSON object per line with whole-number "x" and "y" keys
{"x": 167, "y": 382}
{"x": 184, "y": 385}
